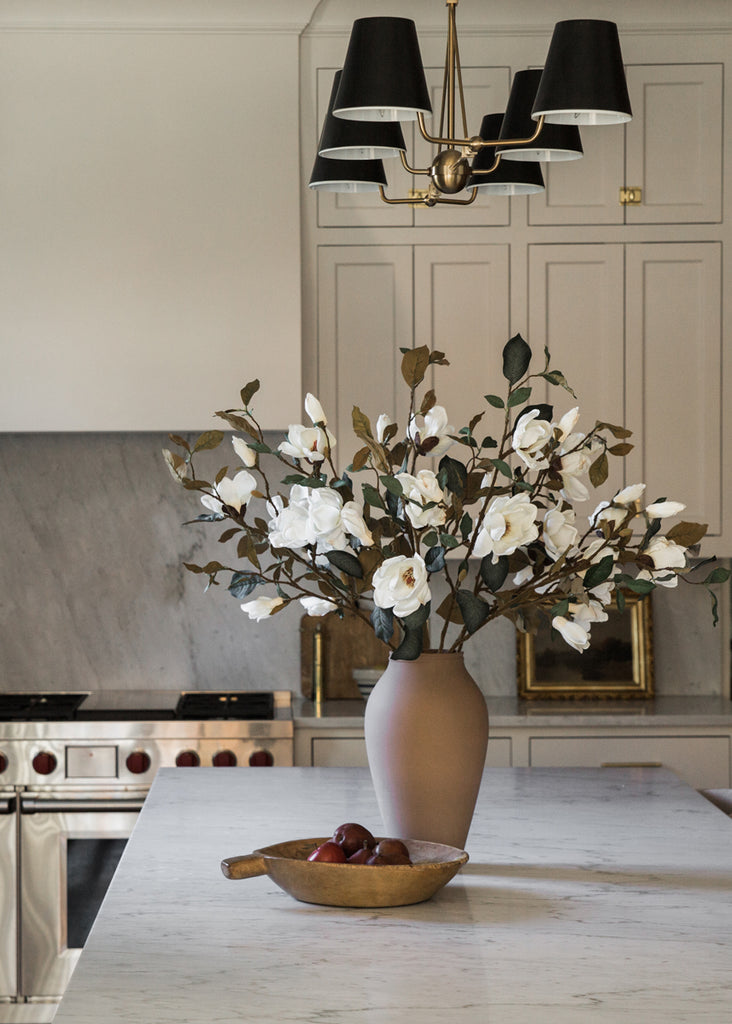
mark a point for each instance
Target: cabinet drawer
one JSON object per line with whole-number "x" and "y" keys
{"x": 339, "y": 752}
{"x": 701, "y": 761}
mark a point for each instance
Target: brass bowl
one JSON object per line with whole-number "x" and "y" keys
{"x": 351, "y": 885}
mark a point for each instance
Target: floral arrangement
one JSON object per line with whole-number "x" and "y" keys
{"x": 495, "y": 517}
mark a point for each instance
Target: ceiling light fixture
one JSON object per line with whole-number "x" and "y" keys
{"x": 383, "y": 82}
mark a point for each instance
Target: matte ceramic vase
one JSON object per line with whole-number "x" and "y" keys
{"x": 426, "y": 729}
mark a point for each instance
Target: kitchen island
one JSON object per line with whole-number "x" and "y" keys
{"x": 600, "y": 895}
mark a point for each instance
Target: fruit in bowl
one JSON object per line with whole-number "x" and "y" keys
{"x": 365, "y": 879}
{"x": 354, "y": 844}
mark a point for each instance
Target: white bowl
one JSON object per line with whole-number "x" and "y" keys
{"x": 366, "y": 679}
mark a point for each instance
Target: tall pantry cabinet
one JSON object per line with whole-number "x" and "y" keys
{"x": 629, "y": 298}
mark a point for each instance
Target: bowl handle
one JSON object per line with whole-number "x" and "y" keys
{"x": 247, "y": 866}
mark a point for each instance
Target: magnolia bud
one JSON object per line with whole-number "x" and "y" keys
{"x": 314, "y": 409}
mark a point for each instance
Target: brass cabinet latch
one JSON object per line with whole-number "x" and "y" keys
{"x": 632, "y": 196}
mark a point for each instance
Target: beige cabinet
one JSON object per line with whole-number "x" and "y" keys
{"x": 671, "y": 151}
{"x": 636, "y": 329}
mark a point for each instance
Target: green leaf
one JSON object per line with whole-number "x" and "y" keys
{"x": 417, "y": 618}
{"x": 599, "y": 572}
{"x": 621, "y": 449}
{"x": 637, "y": 586}
{"x": 473, "y": 609}
{"x": 434, "y": 560}
{"x": 599, "y": 470}
{"x": 495, "y": 401}
{"x": 260, "y": 446}
{"x": 243, "y": 583}
{"x": 304, "y": 481}
{"x": 448, "y": 541}
{"x": 382, "y": 619}
{"x": 372, "y": 497}
{"x": 430, "y": 539}
{"x": 516, "y": 359}
{"x": 558, "y": 379}
{"x": 411, "y": 646}
{"x": 346, "y": 562}
{"x": 489, "y": 442}
{"x": 209, "y": 439}
{"x": 392, "y": 485}
{"x": 502, "y": 467}
{"x": 414, "y": 365}
{"x": 715, "y": 607}
{"x": 616, "y": 431}
{"x": 560, "y": 608}
{"x": 452, "y": 475}
{"x": 180, "y": 441}
{"x": 620, "y": 600}
{"x": 492, "y": 573}
{"x": 466, "y": 526}
{"x": 248, "y": 392}
{"x": 718, "y": 575}
{"x": 519, "y": 397}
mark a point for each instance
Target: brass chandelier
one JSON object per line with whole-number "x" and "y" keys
{"x": 382, "y": 83}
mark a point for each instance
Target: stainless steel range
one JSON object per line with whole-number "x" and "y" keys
{"x": 74, "y": 772}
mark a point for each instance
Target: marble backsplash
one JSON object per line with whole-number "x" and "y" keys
{"x": 95, "y": 595}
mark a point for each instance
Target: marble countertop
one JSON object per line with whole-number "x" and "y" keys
{"x": 510, "y": 712}
{"x": 591, "y": 894}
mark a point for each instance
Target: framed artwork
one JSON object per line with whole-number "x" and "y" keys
{"x": 617, "y": 664}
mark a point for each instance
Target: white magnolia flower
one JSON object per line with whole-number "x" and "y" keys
{"x": 666, "y": 555}
{"x": 587, "y": 613}
{"x": 598, "y": 549}
{"x": 575, "y": 633}
{"x": 664, "y": 509}
{"x": 523, "y": 575}
{"x": 354, "y": 523}
{"x": 530, "y": 437}
{"x": 311, "y": 443}
{"x": 261, "y": 607}
{"x": 422, "y": 488}
{"x": 401, "y": 583}
{"x": 433, "y": 425}
{"x": 559, "y": 533}
{"x": 605, "y": 512}
{"x": 382, "y": 423}
{"x": 315, "y": 410}
{"x": 317, "y": 605}
{"x": 576, "y": 458}
{"x": 603, "y": 592}
{"x": 509, "y": 523}
{"x": 568, "y": 422}
{"x": 316, "y": 516}
{"x": 629, "y": 495}
{"x": 234, "y": 492}
{"x": 247, "y": 455}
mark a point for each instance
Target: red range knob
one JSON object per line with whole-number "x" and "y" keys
{"x": 224, "y": 759}
{"x": 138, "y": 762}
{"x": 261, "y": 759}
{"x": 3, "y": 762}
{"x": 44, "y": 762}
{"x": 187, "y": 759}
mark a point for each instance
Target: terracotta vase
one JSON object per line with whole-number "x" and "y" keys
{"x": 426, "y": 730}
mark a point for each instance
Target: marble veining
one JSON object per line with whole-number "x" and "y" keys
{"x": 591, "y": 894}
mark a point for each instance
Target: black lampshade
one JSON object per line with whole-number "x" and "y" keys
{"x": 347, "y": 175}
{"x": 511, "y": 177}
{"x": 358, "y": 140}
{"x": 383, "y": 78}
{"x": 554, "y": 142}
{"x": 583, "y": 80}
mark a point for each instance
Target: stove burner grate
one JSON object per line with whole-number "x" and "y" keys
{"x": 39, "y": 707}
{"x": 242, "y": 705}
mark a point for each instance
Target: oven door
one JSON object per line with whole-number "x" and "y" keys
{"x": 8, "y": 897}
{"x": 70, "y": 845}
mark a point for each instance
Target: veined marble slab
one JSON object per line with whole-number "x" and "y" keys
{"x": 600, "y": 895}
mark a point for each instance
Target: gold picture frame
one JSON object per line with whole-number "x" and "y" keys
{"x": 617, "y": 665}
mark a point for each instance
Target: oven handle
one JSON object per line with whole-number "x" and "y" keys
{"x": 7, "y": 805}
{"x": 39, "y": 805}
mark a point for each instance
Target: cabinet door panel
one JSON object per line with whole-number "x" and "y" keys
{"x": 461, "y": 308}
{"x": 584, "y": 191}
{"x": 674, "y": 365}
{"x": 339, "y": 752}
{"x": 576, "y": 310}
{"x": 485, "y": 90}
{"x": 674, "y": 143}
{"x": 701, "y": 761}
{"x": 365, "y": 315}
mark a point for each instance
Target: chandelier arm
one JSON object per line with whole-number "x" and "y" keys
{"x": 461, "y": 92}
{"x": 411, "y": 170}
{"x": 476, "y": 142}
{"x": 460, "y": 202}
{"x": 398, "y": 202}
